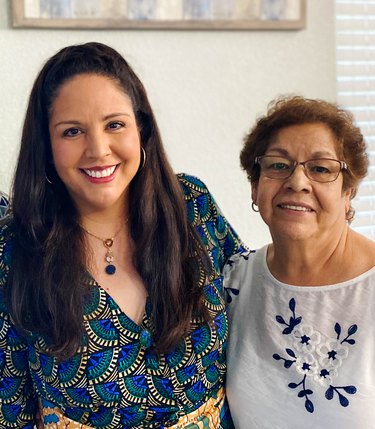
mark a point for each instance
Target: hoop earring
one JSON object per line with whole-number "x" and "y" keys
{"x": 48, "y": 180}
{"x": 253, "y": 205}
{"x": 143, "y": 162}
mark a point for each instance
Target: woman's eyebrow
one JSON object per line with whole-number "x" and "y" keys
{"x": 105, "y": 118}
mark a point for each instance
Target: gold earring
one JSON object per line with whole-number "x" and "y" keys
{"x": 143, "y": 162}
{"x": 253, "y": 206}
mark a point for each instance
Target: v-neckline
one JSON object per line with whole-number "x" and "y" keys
{"x": 145, "y": 321}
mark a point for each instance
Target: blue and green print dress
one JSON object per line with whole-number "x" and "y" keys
{"x": 115, "y": 380}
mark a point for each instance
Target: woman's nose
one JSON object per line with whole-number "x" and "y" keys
{"x": 97, "y": 145}
{"x": 298, "y": 180}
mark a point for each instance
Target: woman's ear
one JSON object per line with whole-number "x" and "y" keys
{"x": 254, "y": 192}
{"x": 348, "y": 195}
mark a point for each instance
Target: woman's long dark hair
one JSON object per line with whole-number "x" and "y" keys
{"x": 47, "y": 286}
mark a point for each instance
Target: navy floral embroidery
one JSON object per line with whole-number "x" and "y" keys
{"x": 315, "y": 357}
{"x": 304, "y": 394}
{"x": 351, "y": 331}
{"x": 228, "y": 291}
{"x": 244, "y": 254}
{"x": 293, "y": 320}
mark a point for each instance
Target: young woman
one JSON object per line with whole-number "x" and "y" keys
{"x": 111, "y": 301}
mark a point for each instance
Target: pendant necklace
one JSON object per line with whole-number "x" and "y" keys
{"x": 108, "y": 243}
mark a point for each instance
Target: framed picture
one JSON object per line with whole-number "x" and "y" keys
{"x": 161, "y": 14}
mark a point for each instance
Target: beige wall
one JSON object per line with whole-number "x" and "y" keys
{"x": 206, "y": 89}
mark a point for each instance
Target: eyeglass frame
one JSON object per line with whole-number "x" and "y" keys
{"x": 343, "y": 167}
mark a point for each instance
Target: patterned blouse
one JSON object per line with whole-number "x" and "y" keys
{"x": 115, "y": 380}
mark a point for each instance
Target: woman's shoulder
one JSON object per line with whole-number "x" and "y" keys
{"x": 6, "y": 228}
{"x": 200, "y": 204}
{"x": 192, "y": 185}
{"x": 6, "y": 238}
{"x": 364, "y": 250}
{"x": 241, "y": 266}
{"x": 369, "y": 248}
{"x": 4, "y": 205}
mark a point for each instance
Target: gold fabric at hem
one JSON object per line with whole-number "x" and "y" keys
{"x": 63, "y": 422}
{"x": 207, "y": 416}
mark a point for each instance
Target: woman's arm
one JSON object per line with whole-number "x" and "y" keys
{"x": 17, "y": 398}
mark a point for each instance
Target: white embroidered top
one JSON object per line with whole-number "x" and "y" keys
{"x": 299, "y": 356}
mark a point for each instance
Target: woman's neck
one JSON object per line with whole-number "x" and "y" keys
{"x": 104, "y": 223}
{"x": 317, "y": 263}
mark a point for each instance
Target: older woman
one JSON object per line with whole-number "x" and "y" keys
{"x": 301, "y": 350}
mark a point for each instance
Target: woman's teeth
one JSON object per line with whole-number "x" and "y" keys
{"x": 100, "y": 173}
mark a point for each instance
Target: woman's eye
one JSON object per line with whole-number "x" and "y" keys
{"x": 115, "y": 125}
{"x": 278, "y": 166}
{"x": 72, "y": 132}
{"x": 318, "y": 169}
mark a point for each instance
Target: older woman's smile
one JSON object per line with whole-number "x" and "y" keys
{"x": 296, "y": 207}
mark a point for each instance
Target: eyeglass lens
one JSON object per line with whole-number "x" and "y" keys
{"x": 319, "y": 170}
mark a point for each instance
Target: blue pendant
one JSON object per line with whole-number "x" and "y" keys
{"x": 110, "y": 269}
{"x": 145, "y": 338}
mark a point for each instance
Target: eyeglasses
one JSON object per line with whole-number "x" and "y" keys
{"x": 322, "y": 170}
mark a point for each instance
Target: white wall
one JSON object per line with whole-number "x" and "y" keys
{"x": 206, "y": 88}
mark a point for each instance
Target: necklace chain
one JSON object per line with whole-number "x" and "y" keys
{"x": 108, "y": 243}
{"x": 105, "y": 239}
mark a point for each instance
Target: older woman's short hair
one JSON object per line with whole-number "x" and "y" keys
{"x": 296, "y": 110}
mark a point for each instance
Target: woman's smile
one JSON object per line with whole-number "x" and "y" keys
{"x": 100, "y": 174}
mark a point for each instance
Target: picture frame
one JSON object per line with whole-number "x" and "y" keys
{"x": 160, "y": 14}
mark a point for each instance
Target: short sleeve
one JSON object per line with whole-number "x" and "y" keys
{"x": 236, "y": 276}
{"x": 17, "y": 400}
